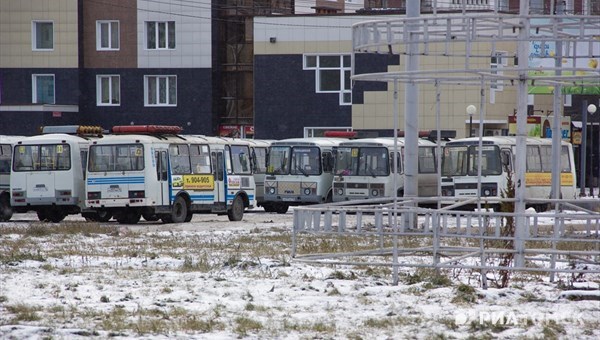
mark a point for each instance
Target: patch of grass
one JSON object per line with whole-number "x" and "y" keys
{"x": 530, "y": 297}
{"x": 552, "y": 330}
{"x": 339, "y": 275}
{"x": 196, "y": 324}
{"x": 200, "y": 264}
{"x": 431, "y": 278}
{"x": 23, "y": 312}
{"x": 244, "y": 325}
{"x": 495, "y": 327}
{"x": 465, "y": 294}
{"x": 450, "y": 323}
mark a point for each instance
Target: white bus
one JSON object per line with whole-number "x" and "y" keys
{"x": 299, "y": 171}
{"x": 6, "y": 146}
{"x": 259, "y": 150}
{"x": 460, "y": 162}
{"x": 364, "y": 168}
{"x": 48, "y": 171}
{"x": 154, "y": 172}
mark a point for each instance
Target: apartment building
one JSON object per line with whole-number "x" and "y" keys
{"x": 105, "y": 63}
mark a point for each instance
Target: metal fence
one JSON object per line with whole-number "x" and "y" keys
{"x": 406, "y": 234}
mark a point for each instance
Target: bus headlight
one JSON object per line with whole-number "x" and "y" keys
{"x": 486, "y": 192}
{"x": 307, "y": 191}
{"x": 271, "y": 191}
{"x": 374, "y": 192}
{"x": 340, "y": 191}
{"x": 447, "y": 192}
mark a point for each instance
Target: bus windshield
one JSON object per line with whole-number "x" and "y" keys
{"x": 42, "y": 157}
{"x": 122, "y": 157}
{"x": 240, "y": 159}
{"x": 278, "y": 160}
{"x": 462, "y": 160}
{"x": 306, "y": 161}
{"x": 362, "y": 161}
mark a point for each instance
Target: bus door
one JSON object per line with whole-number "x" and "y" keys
{"x": 218, "y": 160}
{"x": 162, "y": 175}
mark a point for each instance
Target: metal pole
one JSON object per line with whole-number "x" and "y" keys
{"x": 521, "y": 148}
{"x": 471, "y": 125}
{"x": 591, "y": 179}
{"x": 411, "y": 111}
{"x": 582, "y": 150}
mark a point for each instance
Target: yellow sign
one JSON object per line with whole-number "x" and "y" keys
{"x": 545, "y": 179}
{"x": 198, "y": 182}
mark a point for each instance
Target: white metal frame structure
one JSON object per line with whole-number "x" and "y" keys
{"x": 453, "y": 37}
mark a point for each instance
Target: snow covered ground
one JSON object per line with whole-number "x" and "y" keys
{"x": 216, "y": 279}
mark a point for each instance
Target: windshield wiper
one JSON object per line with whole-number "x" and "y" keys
{"x": 299, "y": 168}
{"x": 372, "y": 172}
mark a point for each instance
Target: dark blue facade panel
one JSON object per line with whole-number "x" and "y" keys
{"x": 371, "y": 63}
{"x": 194, "y": 100}
{"x": 16, "y": 90}
{"x": 285, "y": 99}
{"x": 16, "y": 85}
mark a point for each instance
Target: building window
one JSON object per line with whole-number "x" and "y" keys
{"x": 107, "y": 35}
{"x": 160, "y": 35}
{"x": 108, "y": 90}
{"x": 332, "y": 75}
{"x": 43, "y": 89}
{"x": 160, "y": 90}
{"x": 42, "y": 35}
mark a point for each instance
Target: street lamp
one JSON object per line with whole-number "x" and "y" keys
{"x": 471, "y": 109}
{"x": 591, "y": 109}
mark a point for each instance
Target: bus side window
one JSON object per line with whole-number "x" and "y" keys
{"x": 327, "y": 162}
{"x": 158, "y": 165}
{"x": 506, "y": 161}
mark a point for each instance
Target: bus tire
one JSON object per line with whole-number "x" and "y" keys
{"x": 281, "y": 208}
{"x": 6, "y": 211}
{"x": 236, "y": 213}
{"x": 179, "y": 211}
{"x": 103, "y": 216}
{"x": 150, "y": 217}
{"x": 56, "y": 215}
{"x": 189, "y": 216}
{"x": 42, "y": 215}
{"x": 129, "y": 217}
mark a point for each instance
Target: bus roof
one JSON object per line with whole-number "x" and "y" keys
{"x": 383, "y": 141}
{"x": 54, "y": 138}
{"x": 310, "y": 141}
{"x": 10, "y": 139}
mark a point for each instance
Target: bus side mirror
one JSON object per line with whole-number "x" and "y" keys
{"x": 505, "y": 160}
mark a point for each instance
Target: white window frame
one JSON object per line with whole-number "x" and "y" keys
{"x": 34, "y": 79}
{"x": 147, "y": 79}
{"x": 342, "y": 70}
{"x": 110, "y": 24}
{"x": 157, "y": 36}
{"x": 99, "y": 78}
{"x": 34, "y": 35}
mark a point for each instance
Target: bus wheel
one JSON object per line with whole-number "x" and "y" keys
{"x": 103, "y": 216}
{"x": 281, "y": 208}
{"x": 129, "y": 217}
{"x": 236, "y": 213}
{"x": 56, "y": 215}
{"x": 42, "y": 215}
{"x": 150, "y": 217}
{"x": 268, "y": 207}
{"x": 180, "y": 210}
{"x": 189, "y": 216}
{"x": 6, "y": 211}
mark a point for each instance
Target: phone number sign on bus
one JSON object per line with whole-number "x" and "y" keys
{"x": 197, "y": 182}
